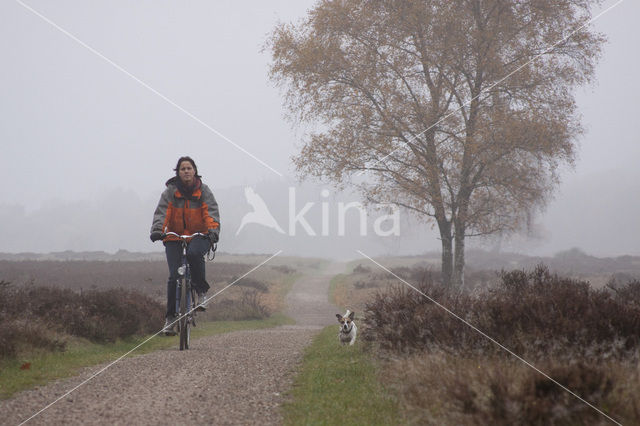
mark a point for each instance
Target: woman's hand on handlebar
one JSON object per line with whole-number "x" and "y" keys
{"x": 156, "y": 235}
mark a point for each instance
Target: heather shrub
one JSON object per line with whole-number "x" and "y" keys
{"x": 362, "y": 284}
{"x": 534, "y": 313}
{"x": 628, "y": 293}
{"x": 246, "y": 306}
{"x": 359, "y": 269}
{"x": 251, "y": 283}
{"x": 283, "y": 269}
{"x": 540, "y": 311}
{"x": 544, "y": 402}
{"x": 445, "y": 389}
{"x": 113, "y": 314}
{"x": 20, "y": 334}
{"x": 449, "y": 373}
{"x": 36, "y": 316}
{"x": 417, "y": 274}
{"x": 402, "y": 320}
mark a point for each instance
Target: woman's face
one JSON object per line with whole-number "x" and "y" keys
{"x": 186, "y": 172}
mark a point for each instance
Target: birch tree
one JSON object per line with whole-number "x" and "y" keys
{"x": 461, "y": 112}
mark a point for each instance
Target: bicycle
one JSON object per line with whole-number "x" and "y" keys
{"x": 185, "y": 293}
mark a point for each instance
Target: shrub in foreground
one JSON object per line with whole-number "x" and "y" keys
{"x": 37, "y": 316}
{"x": 443, "y": 389}
{"x": 533, "y": 313}
{"x": 20, "y": 334}
{"x": 585, "y": 339}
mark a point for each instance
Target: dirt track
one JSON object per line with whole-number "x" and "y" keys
{"x": 234, "y": 378}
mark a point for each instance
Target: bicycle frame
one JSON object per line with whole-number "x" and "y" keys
{"x": 185, "y": 294}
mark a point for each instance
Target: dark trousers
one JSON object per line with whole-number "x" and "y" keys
{"x": 196, "y": 250}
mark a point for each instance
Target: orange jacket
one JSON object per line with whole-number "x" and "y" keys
{"x": 175, "y": 213}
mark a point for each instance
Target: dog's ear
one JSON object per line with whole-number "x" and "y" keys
{"x": 352, "y": 315}
{"x": 339, "y": 317}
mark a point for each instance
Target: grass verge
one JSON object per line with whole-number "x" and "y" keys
{"x": 338, "y": 385}
{"x": 46, "y": 366}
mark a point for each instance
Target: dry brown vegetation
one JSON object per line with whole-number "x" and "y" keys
{"x": 446, "y": 389}
{"x": 447, "y": 373}
{"x": 44, "y": 317}
{"x": 482, "y": 271}
{"x": 146, "y": 277}
{"x": 355, "y": 290}
{"x": 43, "y": 304}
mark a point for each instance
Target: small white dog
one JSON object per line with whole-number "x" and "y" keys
{"x": 348, "y": 329}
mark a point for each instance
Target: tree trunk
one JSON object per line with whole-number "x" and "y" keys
{"x": 457, "y": 279}
{"x": 447, "y": 252}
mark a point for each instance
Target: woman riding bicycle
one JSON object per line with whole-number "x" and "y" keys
{"x": 187, "y": 206}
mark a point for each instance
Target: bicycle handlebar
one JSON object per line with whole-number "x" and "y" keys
{"x": 212, "y": 249}
{"x": 184, "y": 237}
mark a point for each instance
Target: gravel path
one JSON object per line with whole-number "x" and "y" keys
{"x": 308, "y": 303}
{"x": 228, "y": 379}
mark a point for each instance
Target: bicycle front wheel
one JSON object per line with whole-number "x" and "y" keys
{"x": 184, "y": 323}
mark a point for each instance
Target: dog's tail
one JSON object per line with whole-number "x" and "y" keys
{"x": 348, "y": 313}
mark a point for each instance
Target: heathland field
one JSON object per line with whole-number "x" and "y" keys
{"x": 265, "y": 287}
{"x": 525, "y": 341}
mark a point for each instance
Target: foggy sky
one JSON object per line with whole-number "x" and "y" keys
{"x": 86, "y": 148}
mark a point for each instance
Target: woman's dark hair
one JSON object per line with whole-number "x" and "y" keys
{"x": 189, "y": 159}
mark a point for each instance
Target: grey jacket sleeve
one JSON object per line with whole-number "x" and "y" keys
{"x": 210, "y": 207}
{"x": 160, "y": 215}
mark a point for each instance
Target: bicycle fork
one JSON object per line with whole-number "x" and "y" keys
{"x": 185, "y": 276}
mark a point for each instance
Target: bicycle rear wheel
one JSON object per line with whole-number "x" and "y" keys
{"x": 184, "y": 325}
